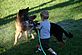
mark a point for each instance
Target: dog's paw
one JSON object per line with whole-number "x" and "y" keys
{"x": 32, "y": 38}
{"x": 14, "y": 44}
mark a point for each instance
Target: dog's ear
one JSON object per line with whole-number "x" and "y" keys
{"x": 32, "y": 17}
{"x": 36, "y": 21}
{"x": 27, "y": 8}
{"x": 20, "y": 12}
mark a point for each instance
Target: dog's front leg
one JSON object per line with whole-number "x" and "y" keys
{"x": 30, "y": 32}
{"x": 16, "y": 37}
{"x": 26, "y": 33}
{"x": 32, "y": 36}
{"x": 21, "y": 33}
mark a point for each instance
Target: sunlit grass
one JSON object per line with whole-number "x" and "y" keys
{"x": 66, "y": 13}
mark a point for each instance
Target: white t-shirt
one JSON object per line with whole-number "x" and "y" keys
{"x": 45, "y": 29}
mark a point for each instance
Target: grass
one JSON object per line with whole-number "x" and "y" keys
{"x": 67, "y": 13}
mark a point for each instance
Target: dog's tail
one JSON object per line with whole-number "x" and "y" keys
{"x": 68, "y": 34}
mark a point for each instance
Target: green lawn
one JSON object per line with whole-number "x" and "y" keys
{"x": 67, "y": 13}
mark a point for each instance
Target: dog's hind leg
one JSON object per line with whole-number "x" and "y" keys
{"x": 16, "y": 37}
{"x": 20, "y": 35}
{"x": 59, "y": 38}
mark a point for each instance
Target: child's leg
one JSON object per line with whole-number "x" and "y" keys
{"x": 45, "y": 45}
{"x": 52, "y": 51}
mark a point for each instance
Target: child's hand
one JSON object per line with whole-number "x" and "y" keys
{"x": 38, "y": 27}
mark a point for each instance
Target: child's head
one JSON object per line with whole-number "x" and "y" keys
{"x": 44, "y": 14}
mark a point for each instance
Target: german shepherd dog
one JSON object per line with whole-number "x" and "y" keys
{"x": 23, "y": 24}
{"x": 57, "y": 31}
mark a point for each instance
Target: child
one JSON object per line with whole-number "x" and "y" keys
{"x": 45, "y": 31}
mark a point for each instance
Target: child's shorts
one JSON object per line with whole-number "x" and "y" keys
{"x": 45, "y": 43}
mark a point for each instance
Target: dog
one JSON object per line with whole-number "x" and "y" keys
{"x": 23, "y": 24}
{"x": 57, "y": 31}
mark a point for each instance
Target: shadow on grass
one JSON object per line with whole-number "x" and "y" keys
{"x": 60, "y": 5}
{"x": 42, "y": 4}
{"x": 78, "y": 8}
{"x": 12, "y": 17}
{"x": 7, "y": 19}
{"x": 28, "y": 48}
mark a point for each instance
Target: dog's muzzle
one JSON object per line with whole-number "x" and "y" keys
{"x": 29, "y": 24}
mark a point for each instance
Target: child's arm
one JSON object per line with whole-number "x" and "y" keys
{"x": 39, "y": 26}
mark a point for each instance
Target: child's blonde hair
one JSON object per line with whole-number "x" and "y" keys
{"x": 45, "y": 13}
